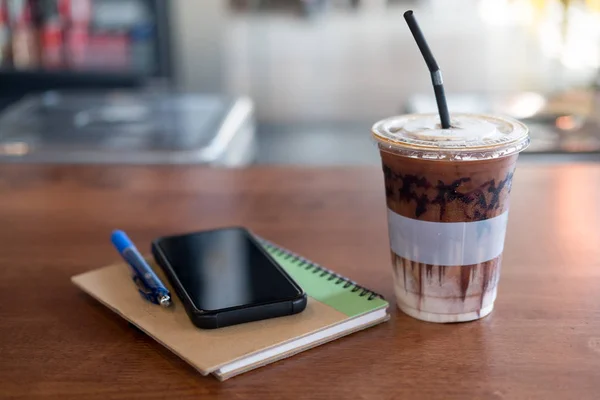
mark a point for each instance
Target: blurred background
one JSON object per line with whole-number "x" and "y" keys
{"x": 241, "y": 82}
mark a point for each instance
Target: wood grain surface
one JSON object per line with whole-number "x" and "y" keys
{"x": 541, "y": 342}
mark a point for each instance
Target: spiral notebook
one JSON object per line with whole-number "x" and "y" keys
{"x": 336, "y": 307}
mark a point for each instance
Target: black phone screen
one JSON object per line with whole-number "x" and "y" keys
{"x": 225, "y": 268}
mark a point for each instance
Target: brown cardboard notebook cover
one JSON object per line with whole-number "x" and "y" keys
{"x": 206, "y": 350}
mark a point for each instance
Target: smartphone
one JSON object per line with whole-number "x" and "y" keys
{"x": 225, "y": 277}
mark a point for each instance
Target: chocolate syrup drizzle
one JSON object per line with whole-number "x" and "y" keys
{"x": 422, "y": 272}
{"x": 411, "y": 185}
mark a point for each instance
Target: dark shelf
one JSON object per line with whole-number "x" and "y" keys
{"x": 24, "y": 82}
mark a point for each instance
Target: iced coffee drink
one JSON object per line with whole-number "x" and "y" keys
{"x": 447, "y": 194}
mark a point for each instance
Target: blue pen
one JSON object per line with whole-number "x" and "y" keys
{"x": 149, "y": 285}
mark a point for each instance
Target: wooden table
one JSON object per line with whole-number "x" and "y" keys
{"x": 541, "y": 342}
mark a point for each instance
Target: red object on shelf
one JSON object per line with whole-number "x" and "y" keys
{"x": 76, "y": 47}
{"x": 50, "y": 32}
{"x": 77, "y": 15}
{"x": 4, "y": 35}
{"x": 51, "y": 45}
{"x": 108, "y": 51}
{"x": 3, "y": 13}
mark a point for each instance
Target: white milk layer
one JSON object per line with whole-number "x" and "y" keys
{"x": 447, "y": 243}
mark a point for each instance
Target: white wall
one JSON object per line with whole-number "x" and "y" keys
{"x": 197, "y": 31}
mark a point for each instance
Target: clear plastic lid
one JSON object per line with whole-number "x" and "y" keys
{"x": 471, "y": 136}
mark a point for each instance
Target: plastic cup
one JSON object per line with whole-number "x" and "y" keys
{"x": 447, "y": 194}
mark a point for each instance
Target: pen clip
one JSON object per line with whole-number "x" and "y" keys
{"x": 145, "y": 292}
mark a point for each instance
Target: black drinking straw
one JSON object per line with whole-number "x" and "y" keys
{"x": 436, "y": 74}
